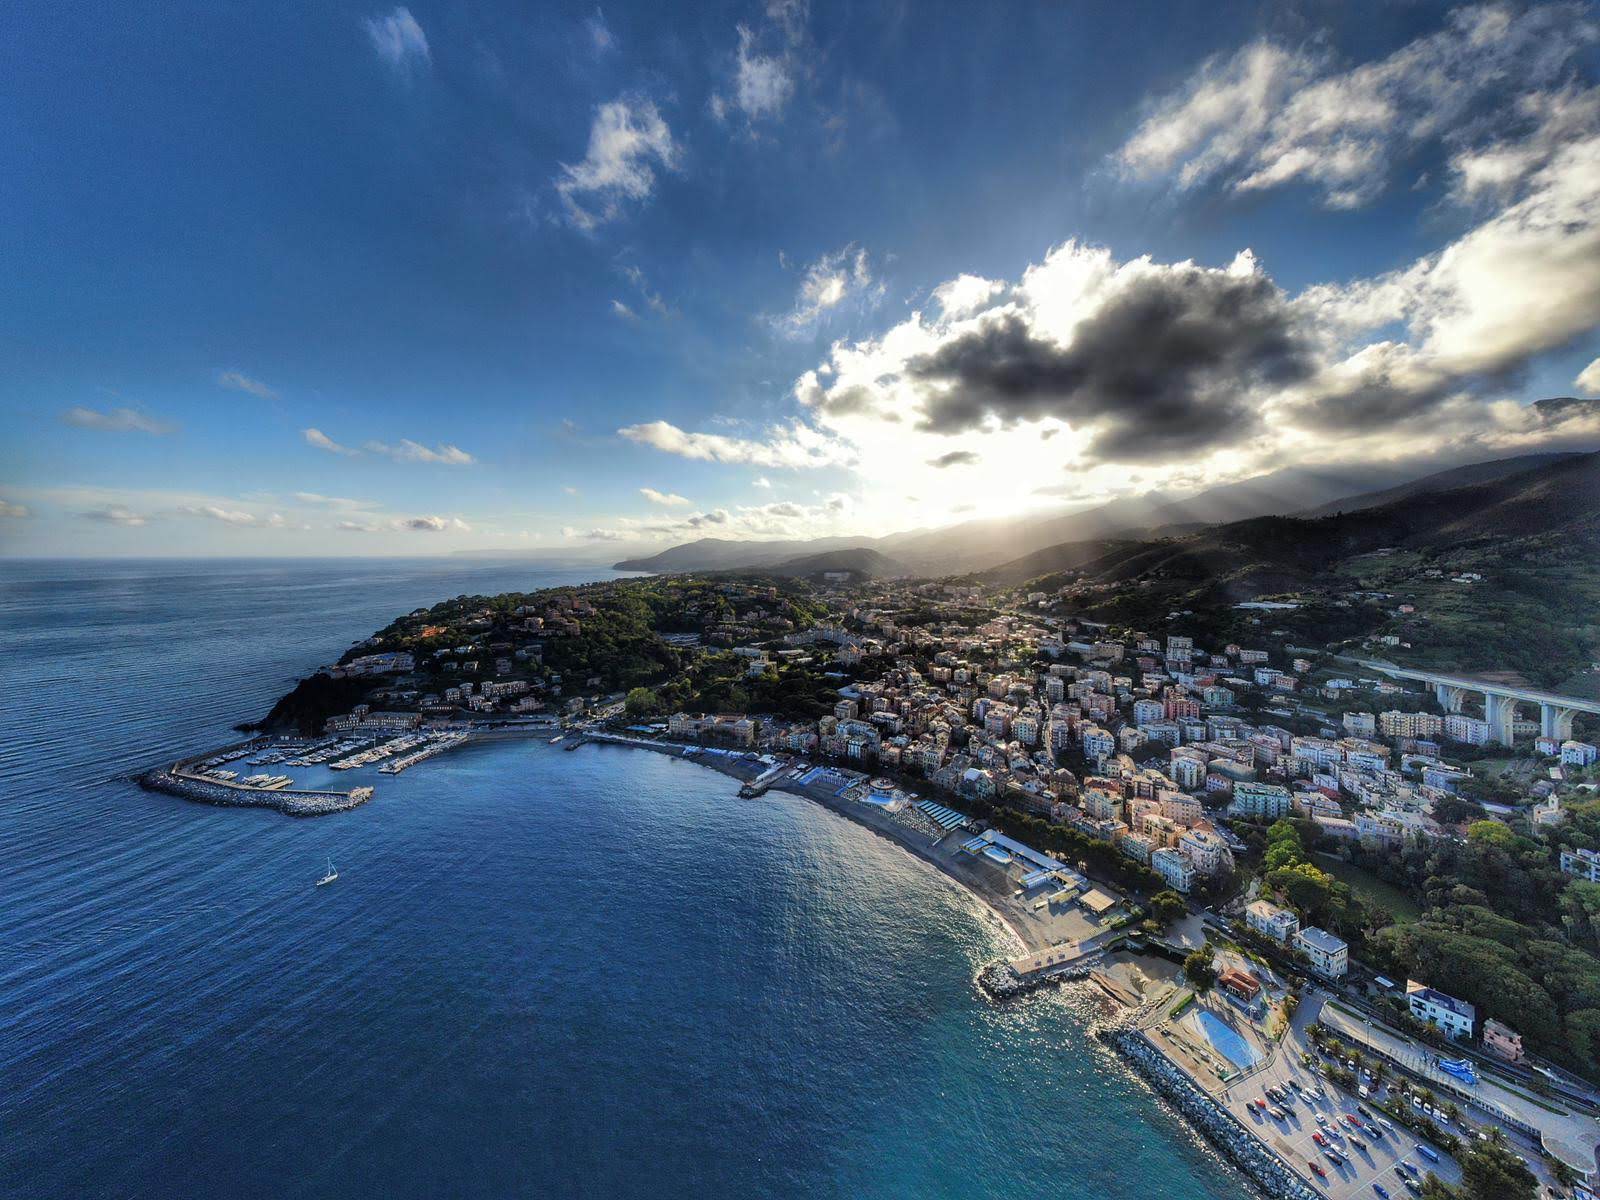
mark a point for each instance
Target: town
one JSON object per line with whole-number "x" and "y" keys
{"x": 1349, "y": 908}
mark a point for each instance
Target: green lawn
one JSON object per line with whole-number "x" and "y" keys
{"x": 1373, "y": 890}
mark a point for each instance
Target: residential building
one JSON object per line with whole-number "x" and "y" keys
{"x": 1173, "y": 867}
{"x": 1453, "y": 1017}
{"x": 1502, "y": 1041}
{"x": 1270, "y": 800}
{"x": 1578, "y": 754}
{"x": 1585, "y": 864}
{"x": 1269, "y": 920}
{"x": 1329, "y": 955}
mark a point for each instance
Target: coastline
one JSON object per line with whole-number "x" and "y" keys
{"x": 1262, "y": 1167}
{"x": 1009, "y": 916}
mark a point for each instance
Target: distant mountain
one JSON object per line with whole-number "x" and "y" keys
{"x": 984, "y": 544}
{"x": 1271, "y": 554}
{"x": 723, "y": 554}
{"x": 1440, "y": 481}
{"x": 976, "y": 545}
{"x": 861, "y": 561}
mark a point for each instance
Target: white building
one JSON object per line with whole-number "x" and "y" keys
{"x": 1329, "y": 956}
{"x": 1205, "y": 850}
{"x": 1173, "y": 867}
{"x": 1585, "y": 864}
{"x": 1269, "y": 920}
{"x": 1452, "y": 1016}
{"x": 1578, "y": 754}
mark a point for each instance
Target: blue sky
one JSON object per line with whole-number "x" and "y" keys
{"x": 358, "y": 279}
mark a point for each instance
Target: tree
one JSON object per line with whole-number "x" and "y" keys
{"x": 1490, "y": 1171}
{"x": 1167, "y": 906}
{"x": 1201, "y": 969}
{"x": 642, "y": 702}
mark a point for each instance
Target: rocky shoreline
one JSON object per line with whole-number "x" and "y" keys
{"x": 294, "y": 804}
{"x": 1246, "y": 1151}
{"x": 1000, "y": 981}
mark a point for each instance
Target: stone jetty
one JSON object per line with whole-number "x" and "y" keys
{"x": 1001, "y": 981}
{"x": 1246, "y": 1151}
{"x": 294, "y": 803}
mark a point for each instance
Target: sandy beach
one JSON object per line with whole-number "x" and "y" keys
{"x": 1031, "y": 931}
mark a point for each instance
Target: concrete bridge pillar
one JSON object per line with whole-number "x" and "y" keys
{"x": 1499, "y": 711}
{"x": 1555, "y": 721}
{"x": 1450, "y": 696}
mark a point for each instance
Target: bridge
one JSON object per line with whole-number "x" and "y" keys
{"x": 1500, "y": 701}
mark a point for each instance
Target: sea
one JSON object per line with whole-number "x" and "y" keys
{"x": 540, "y": 973}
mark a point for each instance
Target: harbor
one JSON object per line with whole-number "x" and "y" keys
{"x": 219, "y": 777}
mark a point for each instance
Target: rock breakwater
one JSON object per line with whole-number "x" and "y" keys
{"x": 1246, "y": 1151}
{"x": 293, "y": 803}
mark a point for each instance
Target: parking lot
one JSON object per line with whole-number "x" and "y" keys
{"x": 1367, "y": 1160}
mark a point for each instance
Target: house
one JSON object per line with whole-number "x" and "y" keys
{"x": 1269, "y": 920}
{"x": 1329, "y": 955}
{"x": 1240, "y": 983}
{"x": 1454, "y": 1017}
{"x": 1502, "y": 1041}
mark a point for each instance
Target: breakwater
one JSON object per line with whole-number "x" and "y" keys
{"x": 293, "y": 803}
{"x": 1246, "y": 1151}
{"x": 1001, "y": 981}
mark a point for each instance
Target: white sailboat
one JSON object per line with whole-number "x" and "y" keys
{"x": 330, "y": 876}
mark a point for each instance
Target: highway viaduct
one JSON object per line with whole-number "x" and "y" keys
{"x": 1500, "y": 701}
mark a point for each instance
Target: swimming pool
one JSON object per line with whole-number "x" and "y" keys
{"x": 1225, "y": 1039}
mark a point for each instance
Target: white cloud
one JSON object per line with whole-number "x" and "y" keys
{"x": 399, "y": 40}
{"x": 1040, "y": 379}
{"x": 762, "y": 83}
{"x": 235, "y": 516}
{"x": 317, "y": 500}
{"x": 592, "y": 535}
{"x": 841, "y": 279}
{"x": 619, "y": 309}
{"x": 115, "y": 514}
{"x": 600, "y": 35}
{"x": 627, "y": 141}
{"x": 761, "y": 481}
{"x": 116, "y": 420}
{"x": 666, "y": 499}
{"x": 780, "y": 519}
{"x": 795, "y": 446}
{"x": 315, "y": 437}
{"x": 427, "y": 524}
{"x": 1270, "y": 115}
{"x": 1588, "y": 379}
{"x": 238, "y": 381}
{"x": 407, "y": 451}
{"x": 768, "y": 63}
{"x": 965, "y": 295}
{"x": 11, "y": 511}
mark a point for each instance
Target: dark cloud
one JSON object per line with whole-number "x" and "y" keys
{"x": 956, "y": 458}
{"x": 1163, "y": 366}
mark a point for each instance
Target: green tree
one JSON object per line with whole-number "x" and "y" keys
{"x": 642, "y": 702}
{"x": 1201, "y": 968}
{"x": 1167, "y": 906}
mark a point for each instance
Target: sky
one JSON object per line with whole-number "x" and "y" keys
{"x": 354, "y": 279}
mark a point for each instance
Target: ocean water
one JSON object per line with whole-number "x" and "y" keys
{"x": 540, "y": 974}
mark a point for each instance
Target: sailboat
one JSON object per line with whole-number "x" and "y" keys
{"x": 330, "y": 876}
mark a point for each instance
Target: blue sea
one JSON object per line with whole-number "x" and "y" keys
{"x": 540, "y": 974}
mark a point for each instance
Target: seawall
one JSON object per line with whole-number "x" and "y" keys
{"x": 293, "y": 803}
{"x": 1246, "y": 1151}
